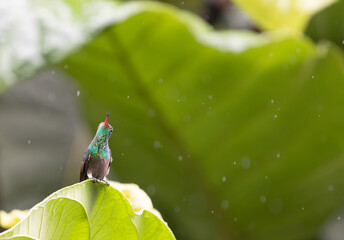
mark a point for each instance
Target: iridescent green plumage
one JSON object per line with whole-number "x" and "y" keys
{"x": 97, "y": 158}
{"x": 99, "y": 146}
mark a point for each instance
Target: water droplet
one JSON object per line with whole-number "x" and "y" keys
{"x": 330, "y": 188}
{"x": 128, "y": 97}
{"x": 245, "y": 162}
{"x": 278, "y": 155}
{"x": 157, "y": 144}
{"x": 66, "y": 66}
{"x": 235, "y": 219}
{"x": 187, "y": 118}
{"x": 266, "y": 177}
{"x": 161, "y": 80}
{"x": 251, "y": 226}
{"x": 176, "y": 208}
{"x": 275, "y": 206}
{"x": 212, "y": 211}
{"x": 275, "y": 116}
{"x": 224, "y": 204}
{"x": 272, "y": 101}
{"x": 29, "y": 142}
{"x": 234, "y": 163}
{"x": 210, "y": 97}
{"x": 51, "y": 97}
{"x": 78, "y": 93}
{"x": 180, "y": 158}
{"x": 224, "y": 178}
{"x": 343, "y": 42}
{"x": 319, "y": 115}
{"x": 338, "y": 218}
{"x": 313, "y": 76}
{"x": 209, "y": 108}
{"x": 182, "y": 3}
{"x": 202, "y": 103}
{"x": 262, "y": 199}
{"x": 271, "y": 54}
{"x": 178, "y": 100}
{"x": 302, "y": 208}
{"x": 151, "y": 190}
{"x": 151, "y": 112}
{"x": 189, "y": 155}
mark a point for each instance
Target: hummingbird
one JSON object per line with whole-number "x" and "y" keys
{"x": 97, "y": 157}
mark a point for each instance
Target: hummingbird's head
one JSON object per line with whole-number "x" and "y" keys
{"x": 105, "y": 128}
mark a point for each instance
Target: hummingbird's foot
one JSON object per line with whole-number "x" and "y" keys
{"x": 94, "y": 180}
{"x": 106, "y": 182}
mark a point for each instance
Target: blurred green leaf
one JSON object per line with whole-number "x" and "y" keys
{"x": 88, "y": 211}
{"x": 328, "y": 24}
{"x": 292, "y": 15}
{"x": 231, "y": 143}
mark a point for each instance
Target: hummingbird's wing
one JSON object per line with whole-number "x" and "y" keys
{"x": 108, "y": 168}
{"x": 84, "y": 167}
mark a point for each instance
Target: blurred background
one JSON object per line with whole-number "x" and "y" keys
{"x": 236, "y": 135}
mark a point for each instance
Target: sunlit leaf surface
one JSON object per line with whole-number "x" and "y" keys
{"x": 292, "y": 15}
{"x": 88, "y": 211}
{"x": 61, "y": 218}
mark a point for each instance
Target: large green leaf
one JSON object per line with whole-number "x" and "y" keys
{"x": 56, "y": 28}
{"x": 282, "y": 14}
{"x": 88, "y": 211}
{"x": 61, "y": 218}
{"x": 328, "y": 24}
{"x": 234, "y": 144}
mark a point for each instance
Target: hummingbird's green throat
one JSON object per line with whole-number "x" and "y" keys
{"x": 97, "y": 158}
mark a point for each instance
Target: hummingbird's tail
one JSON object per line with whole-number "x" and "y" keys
{"x": 83, "y": 176}
{"x": 83, "y": 169}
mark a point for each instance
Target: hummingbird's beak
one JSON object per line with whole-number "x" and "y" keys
{"x": 106, "y": 122}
